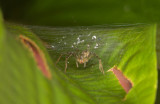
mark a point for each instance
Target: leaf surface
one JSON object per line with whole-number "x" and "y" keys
{"x": 131, "y": 48}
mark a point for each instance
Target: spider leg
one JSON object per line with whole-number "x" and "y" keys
{"x": 66, "y": 64}
{"x": 100, "y": 63}
{"x": 100, "y": 66}
{"x": 84, "y": 64}
{"x": 66, "y": 61}
{"x": 59, "y": 58}
{"x": 77, "y": 64}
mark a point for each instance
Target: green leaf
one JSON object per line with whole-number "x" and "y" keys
{"x": 23, "y": 83}
{"x": 158, "y": 62}
{"x": 158, "y": 90}
{"x": 130, "y": 47}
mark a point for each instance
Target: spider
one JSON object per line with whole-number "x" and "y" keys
{"x": 81, "y": 58}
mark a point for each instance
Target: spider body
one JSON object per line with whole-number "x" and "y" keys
{"x": 81, "y": 58}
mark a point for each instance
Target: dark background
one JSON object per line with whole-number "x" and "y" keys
{"x": 81, "y": 12}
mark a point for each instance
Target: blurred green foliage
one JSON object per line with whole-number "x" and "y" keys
{"x": 81, "y": 12}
